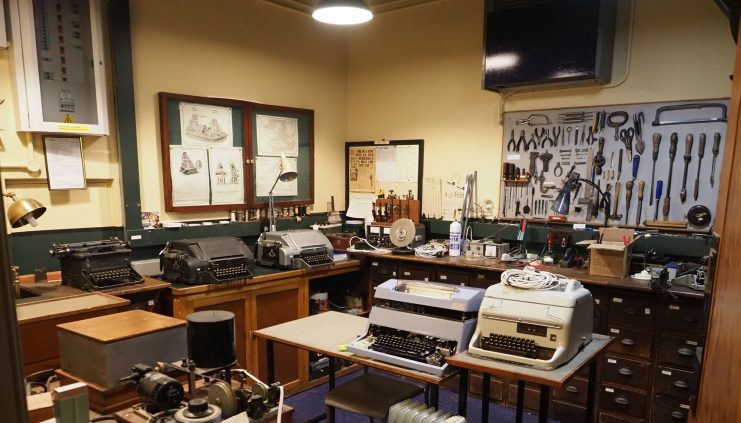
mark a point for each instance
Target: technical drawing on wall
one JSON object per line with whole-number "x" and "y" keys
{"x": 190, "y": 178}
{"x": 205, "y": 125}
{"x": 227, "y": 179}
{"x": 277, "y": 135}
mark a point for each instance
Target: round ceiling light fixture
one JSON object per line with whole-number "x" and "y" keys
{"x": 342, "y": 12}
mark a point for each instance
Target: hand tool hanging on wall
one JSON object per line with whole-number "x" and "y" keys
{"x": 595, "y": 122}
{"x": 673, "y": 139}
{"x": 628, "y": 197}
{"x": 546, "y": 159}
{"x": 599, "y": 158}
{"x": 700, "y": 155}
{"x": 641, "y": 185}
{"x": 638, "y": 120}
{"x": 620, "y": 163}
{"x": 722, "y": 115}
{"x": 557, "y": 131}
{"x": 512, "y": 144}
{"x": 626, "y": 136}
{"x": 534, "y": 119}
{"x": 615, "y": 120}
{"x": 532, "y": 144}
{"x": 615, "y": 215}
{"x": 659, "y": 186}
{"x": 716, "y": 150}
{"x": 636, "y": 164}
{"x": 568, "y": 135}
{"x": 526, "y": 209}
{"x": 596, "y": 200}
{"x": 533, "y": 170}
{"x": 656, "y": 139}
{"x": 687, "y": 158}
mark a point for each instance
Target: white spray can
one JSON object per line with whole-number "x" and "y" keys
{"x": 454, "y": 243}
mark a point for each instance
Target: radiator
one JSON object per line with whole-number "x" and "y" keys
{"x": 409, "y": 411}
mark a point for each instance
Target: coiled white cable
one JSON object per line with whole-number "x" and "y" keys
{"x": 431, "y": 249}
{"x": 532, "y": 278}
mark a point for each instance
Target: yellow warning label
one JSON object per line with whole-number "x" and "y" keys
{"x": 73, "y": 127}
{"x": 68, "y": 119}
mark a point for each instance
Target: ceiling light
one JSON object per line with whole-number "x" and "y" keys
{"x": 342, "y": 12}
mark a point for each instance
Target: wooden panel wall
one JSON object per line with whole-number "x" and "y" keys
{"x": 720, "y": 387}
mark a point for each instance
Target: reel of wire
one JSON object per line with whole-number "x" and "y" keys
{"x": 532, "y": 278}
{"x": 431, "y": 249}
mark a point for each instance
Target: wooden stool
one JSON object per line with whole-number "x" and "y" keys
{"x": 369, "y": 395}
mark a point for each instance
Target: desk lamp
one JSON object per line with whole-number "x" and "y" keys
{"x": 286, "y": 174}
{"x": 563, "y": 200}
{"x": 24, "y": 211}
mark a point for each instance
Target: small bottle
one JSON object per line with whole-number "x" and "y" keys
{"x": 454, "y": 243}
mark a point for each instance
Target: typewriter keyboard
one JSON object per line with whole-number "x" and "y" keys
{"x": 225, "y": 273}
{"x": 510, "y": 345}
{"x": 113, "y": 277}
{"x": 400, "y": 343}
{"x": 317, "y": 259}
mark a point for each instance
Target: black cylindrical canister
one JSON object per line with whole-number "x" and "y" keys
{"x": 211, "y": 339}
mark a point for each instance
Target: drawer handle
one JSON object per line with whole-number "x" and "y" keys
{"x": 681, "y": 384}
{"x": 622, "y": 401}
{"x": 629, "y": 311}
{"x": 628, "y": 342}
{"x": 679, "y": 415}
{"x": 572, "y": 389}
{"x": 689, "y": 319}
{"x": 685, "y": 352}
{"x": 625, "y": 371}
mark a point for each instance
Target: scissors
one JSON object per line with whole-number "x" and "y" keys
{"x": 626, "y": 136}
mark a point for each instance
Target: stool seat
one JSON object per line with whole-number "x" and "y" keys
{"x": 371, "y": 395}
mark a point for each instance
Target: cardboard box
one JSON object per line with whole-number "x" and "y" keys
{"x": 102, "y": 350}
{"x": 611, "y": 256}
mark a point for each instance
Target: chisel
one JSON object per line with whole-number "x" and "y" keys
{"x": 641, "y": 185}
{"x": 659, "y": 185}
{"x": 655, "y": 155}
{"x": 620, "y": 163}
{"x": 673, "y": 140}
{"x": 628, "y": 197}
{"x": 687, "y": 159}
{"x": 716, "y": 150}
{"x": 700, "y": 155}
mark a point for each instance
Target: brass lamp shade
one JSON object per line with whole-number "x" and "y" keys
{"x": 24, "y": 211}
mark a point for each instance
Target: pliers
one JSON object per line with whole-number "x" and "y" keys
{"x": 516, "y": 146}
{"x": 531, "y": 142}
{"x": 512, "y": 145}
{"x": 556, "y": 135}
{"x": 544, "y": 136}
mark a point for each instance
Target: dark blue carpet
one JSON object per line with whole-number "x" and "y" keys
{"x": 310, "y": 403}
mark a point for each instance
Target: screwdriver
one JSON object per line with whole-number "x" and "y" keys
{"x": 636, "y": 163}
{"x": 641, "y": 185}
{"x": 700, "y": 155}
{"x": 659, "y": 186}
{"x": 716, "y": 150}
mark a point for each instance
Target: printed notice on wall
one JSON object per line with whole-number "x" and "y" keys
{"x": 64, "y": 163}
{"x": 386, "y": 163}
{"x": 362, "y": 169}
{"x": 407, "y": 163}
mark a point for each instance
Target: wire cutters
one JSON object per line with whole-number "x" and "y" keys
{"x": 531, "y": 142}
{"x": 512, "y": 145}
{"x": 626, "y": 136}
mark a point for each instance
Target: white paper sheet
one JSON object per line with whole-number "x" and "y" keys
{"x": 362, "y": 169}
{"x": 386, "y": 163}
{"x": 277, "y": 135}
{"x": 266, "y": 171}
{"x": 407, "y": 163}
{"x": 203, "y": 125}
{"x": 64, "y": 164}
{"x": 432, "y": 202}
{"x": 453, "y": 192}
{"x": 227, "y": 180}
{"x": 189, "y": 172}
{"x": 361, "y": 206}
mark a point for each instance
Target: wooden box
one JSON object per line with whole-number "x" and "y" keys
{"x": 102, "y": 350}
{"x": 611, "y": 256}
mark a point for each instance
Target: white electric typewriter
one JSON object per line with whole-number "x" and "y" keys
{"x": 542, "y": 328}
{"x": 417, "y": 324}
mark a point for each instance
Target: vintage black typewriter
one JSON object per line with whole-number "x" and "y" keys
{"x": 207, "y": 260}
{"x": 96, "y": 264}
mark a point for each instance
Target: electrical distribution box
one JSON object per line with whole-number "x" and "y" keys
{"x": 58, "y": 66}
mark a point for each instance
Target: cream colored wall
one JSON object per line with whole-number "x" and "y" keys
{"x": 415, "y": 73}
{"x": 97, "y": 206}
{"x": 245, "y": 49}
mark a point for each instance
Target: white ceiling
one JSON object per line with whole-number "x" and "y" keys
{"x": 377, "y": 6}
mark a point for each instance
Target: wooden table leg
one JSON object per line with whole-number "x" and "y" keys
{"x": 462, "y": 392}
{"x": 485, "y": 395}
{"x": 591, "y": 391}
{"x": 271, "y": 361}
{"x": 520, "y": 400}
{"x": 545, "y": 397}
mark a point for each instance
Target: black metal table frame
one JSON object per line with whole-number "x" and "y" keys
{"x": 545, "y": 394}
{"x": 432, "y": 393}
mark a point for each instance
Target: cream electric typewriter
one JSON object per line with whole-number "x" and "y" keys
{"x": 542, "y": 328}
{"x": 417, "y": 324}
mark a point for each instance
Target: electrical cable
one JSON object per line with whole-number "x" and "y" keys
{"x": 532, "y": 278}
{"x": 430, "y": 250}
{"x": 280, "y": 388}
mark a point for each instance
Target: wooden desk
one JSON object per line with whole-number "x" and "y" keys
{"x": 547, "y": 379}
{"x": 324, "y": 332}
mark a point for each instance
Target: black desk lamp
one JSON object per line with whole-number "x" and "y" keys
{"x": 562, "y": 203}
{"x": 286, "y": 174}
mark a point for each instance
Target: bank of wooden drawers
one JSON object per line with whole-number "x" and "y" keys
{"x": 567, "y": 412}
{"x": 683, "y": 317}
{"x": 632, "y": 312}
{"x": 632, "y": 342}
{"x": 667, "y": 409}
{"x": 674, "y": 382}
{"x": 623, "y": 401}
{"x": 678, "y": 350}
{"x": 574, "y": 391}
{"x": 454, "y": 277}
{"x": 415, "y": 272}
